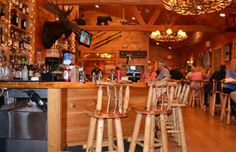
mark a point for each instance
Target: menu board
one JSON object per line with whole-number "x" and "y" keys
{"x": 133, "y": 54}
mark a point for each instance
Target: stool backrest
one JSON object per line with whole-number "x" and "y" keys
{"x": 113, "y": 97}
{"x": 183, "y": 92}
{"x": 160, "y": 93}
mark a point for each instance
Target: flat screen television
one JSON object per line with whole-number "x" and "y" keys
{"x": 85, "y": 38}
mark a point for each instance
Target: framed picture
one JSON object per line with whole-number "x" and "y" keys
{"x": 227, "y": 52}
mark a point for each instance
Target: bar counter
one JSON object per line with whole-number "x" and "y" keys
{"x": 67, "y": 101}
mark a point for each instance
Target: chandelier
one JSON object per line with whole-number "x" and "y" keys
{"x": 195, "y": 7}
{"x": 168, "y": 35}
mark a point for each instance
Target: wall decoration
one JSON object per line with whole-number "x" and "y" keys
{"x": 231, "y": 22}
{"x": 227, "y": 52}
{"x": 133, "y": 54}
{"x": 103, "y": 20}
{"x": 217, "y": 56}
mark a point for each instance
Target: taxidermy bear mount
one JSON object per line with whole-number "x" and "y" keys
{"x": 103, "y": 20}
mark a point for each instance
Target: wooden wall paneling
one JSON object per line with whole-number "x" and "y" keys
{"x": 79, "y": 100}
{"x": 217, "y": 58}
{"x": 233, "y": 50}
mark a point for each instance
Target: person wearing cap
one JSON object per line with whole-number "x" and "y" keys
{"x": 229, "y": 88}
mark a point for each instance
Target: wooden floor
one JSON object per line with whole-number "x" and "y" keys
{"x": 206, "y": 134}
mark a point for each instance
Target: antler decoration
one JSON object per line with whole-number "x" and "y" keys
{"x": 52, "y": 31}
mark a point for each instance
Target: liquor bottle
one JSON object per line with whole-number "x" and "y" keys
{"x": 14, "y": 18}
{"x": 21, "y": 6}
{"x": 2, "y": 13}
{"x": 94, "y": 77}
{"x": 17, "y": 3}
{"x": 1, "y": 36}
{"x": 25, "y": 73}
{"x": 23, "y": 24}
{"x": 26, "y": 9}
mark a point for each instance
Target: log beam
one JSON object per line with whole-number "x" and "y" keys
{"x": 154, "y": 16}
{"x": 108, "y": 2}
{"x": 187, "y": 28}
{"x": 138, "y": 15}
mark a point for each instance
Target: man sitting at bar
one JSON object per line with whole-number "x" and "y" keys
{"x": 229, "y": 88}
{"x": 96, "y": 70}
{"x": 217, "y": 76}
{"x": 164, "y": 72}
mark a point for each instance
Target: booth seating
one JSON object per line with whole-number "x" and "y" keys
{"x": 111, "y": 107}
{"x": 155, "y": 112}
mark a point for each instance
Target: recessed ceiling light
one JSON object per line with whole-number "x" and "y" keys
{"x": 157, "y": 43}
{"x": 222, "y": 15}
{"x": 97, "y": 6}
{"x": 133, "y": 18}
{"x": 169, "y": 47}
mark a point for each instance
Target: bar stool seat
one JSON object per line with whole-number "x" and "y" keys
{"x": 111, "y": 107}
{"x": 107, "y": 115}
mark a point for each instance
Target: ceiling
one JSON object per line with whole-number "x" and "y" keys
{"x": 151, "y": 15}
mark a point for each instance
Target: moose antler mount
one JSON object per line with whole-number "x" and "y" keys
{"x": 53, "y": 30}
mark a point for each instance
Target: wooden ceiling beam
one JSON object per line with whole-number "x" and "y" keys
{"x": 186, "y": 28}
{"x": 138, "y": 15}
{"x": 154, "y": 16}
{"x": 107, "y": 2}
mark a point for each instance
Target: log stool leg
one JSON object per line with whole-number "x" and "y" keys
{"x": 178, "y": 135}
{"x": 119, "y": 136}
{"x": 213, "y": 104}
{"x": 182, "y": 132}
{"x": 228, "y": 111}
{"x": 152, "y": 133}
{"x": 100, "y": 128}
{"x": 147, "y": 132}
{"x": 223, "y": 107}
{"x": 110, "y": 135}
{"x": 163, "y": 133}
{"x": 91, "y": 134}
{"x": 135, "y": 132}
{"x": 193, "y": 97}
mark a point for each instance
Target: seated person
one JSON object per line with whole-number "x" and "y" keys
{"x": 228, "y": 88}
{"x": 217, "y": 76}
{"x": 164, "y": 72}
{"x": 96, "y": 70}
{"x": 195, "y": 75}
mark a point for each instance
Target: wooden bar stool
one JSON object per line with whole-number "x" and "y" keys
{"x": 196, "y": 93}
{"x": 111, "y": 107}
{"x": 155, "y": 112}
{"x": 175, "y": 124}
{"x": 225, "y": 108}
{"x": 212, "y": 104}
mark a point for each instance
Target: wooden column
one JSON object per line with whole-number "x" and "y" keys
{"x": 57, "y": 119}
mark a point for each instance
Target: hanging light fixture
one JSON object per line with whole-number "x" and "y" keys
{"x": 168, "y": 35}
{"x": 195, "y": 7}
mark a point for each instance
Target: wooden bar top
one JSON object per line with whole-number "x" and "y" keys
{"x": 57, "y": 85}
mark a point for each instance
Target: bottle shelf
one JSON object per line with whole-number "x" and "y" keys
{"x": 20, "y": 29}
{"x": 21, "y": 13}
